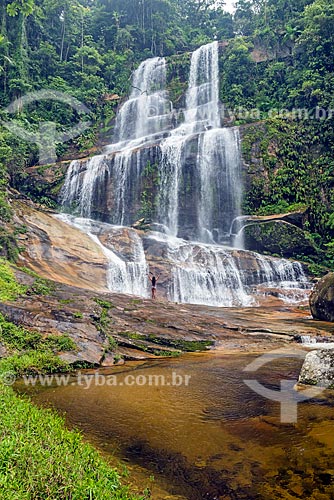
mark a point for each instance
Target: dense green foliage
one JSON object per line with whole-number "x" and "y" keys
{"x": 280, "y": 76}
{"x": 21, "y": 339}
{"x": 86, "y": 49}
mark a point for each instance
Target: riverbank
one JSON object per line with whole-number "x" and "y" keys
{"x": 211, "y": 436}
{"x": 40, "y": 458}
{"x": 90, "y": 329}
{"x": 48, "y": 327}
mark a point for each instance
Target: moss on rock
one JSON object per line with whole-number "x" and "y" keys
{"x": 279, "y": 238}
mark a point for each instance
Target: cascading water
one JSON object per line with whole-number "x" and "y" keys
{"x": 221, "y": 187}
{"x": 212, "y": 152}
{"x": 198, "y": 165}
{"x": 148, "y": 111}
{"x": 220, "y": 276}
{"x": 142, "y": 121}
{"x": 125, "y": 274}
{"x": 203, "y": 91}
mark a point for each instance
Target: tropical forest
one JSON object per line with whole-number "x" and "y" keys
{"x": 166, "y": 249}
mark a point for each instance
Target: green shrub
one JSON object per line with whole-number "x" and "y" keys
{"x": 20, "y": 339}
{"x": 17, "y": 337}
{"x": 59, "y": 343}
{"x": 33, "y": 362}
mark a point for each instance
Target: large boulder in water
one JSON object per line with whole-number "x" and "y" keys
{"x": 318, "y": 369}
{"x": 279, "y": 237}
{"x": 322, "y": 299}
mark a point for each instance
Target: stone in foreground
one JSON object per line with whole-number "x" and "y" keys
{"x": 322, "y": 299}
{"x": 318, "y": 369}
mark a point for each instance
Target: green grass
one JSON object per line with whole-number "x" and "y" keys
{"x": 132, "y": 335}
{"x": 78, "y": 315}
{"x": 112, "y": 343}
{"x": 9, "y": 288}
{"x": 182, "y": 345}
{"x": 31, "y": 352}
{"x": 167, "y": 354}
{"x": 18, "y": 338}
{"x": 33, "y": 362}
{"x": 59, "y": 343}
{"x": 41, "y": 460}
{"x": 105, "y": 304}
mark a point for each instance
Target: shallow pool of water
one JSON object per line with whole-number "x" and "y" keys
{"x": 213, "y": 438}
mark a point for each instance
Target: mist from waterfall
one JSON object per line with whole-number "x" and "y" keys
{"x": 198, "y": 167}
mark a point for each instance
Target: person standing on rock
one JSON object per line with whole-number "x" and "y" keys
{"x": 154, "y": 281}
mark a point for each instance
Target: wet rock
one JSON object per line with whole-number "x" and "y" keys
{"x": 279, "y": 237}
{"x": 34, "y": 314}
{"x": 89, "y": 359}
{"x": 112, "y": 359}
{"x": 121, "y": 240}
{"x": 322, "y": 299}
{"x": 318, "y": 369}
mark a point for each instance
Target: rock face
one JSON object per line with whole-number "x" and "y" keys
{"x": 318, "y": 369}
{"x": 279, "y": 237}
{"x": 107, "y": 328}
{"x": 100, "y": 257}
{"x": 322, "y": 299}
{"x": 60, "y": 252}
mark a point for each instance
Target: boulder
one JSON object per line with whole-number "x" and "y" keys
{"x": 322, "y": 299}
{"x": 279, "y": 237}
{"x": 318, "y": 369}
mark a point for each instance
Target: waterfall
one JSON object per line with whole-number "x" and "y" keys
{"x": 216, "y": 159}
{"x": 125, "y": 274}
{"x": 206, "y": 275}
{"x": 219, "y": 170}
{"x": 196, "y": 201}
{"x": 148, "y": 111}
{"x": 170, "y": 171}
{"x": 221, "y": 276}
{"x": 141, "y": 121}
{"x": 316, "y": 342}
{"x": 109, "y": 187}
{"x": 202, "y": 110}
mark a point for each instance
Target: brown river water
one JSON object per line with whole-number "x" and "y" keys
{"x": 213, "y": 438}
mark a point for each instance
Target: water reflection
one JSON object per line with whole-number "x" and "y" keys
{"x": 214, "y": 439}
